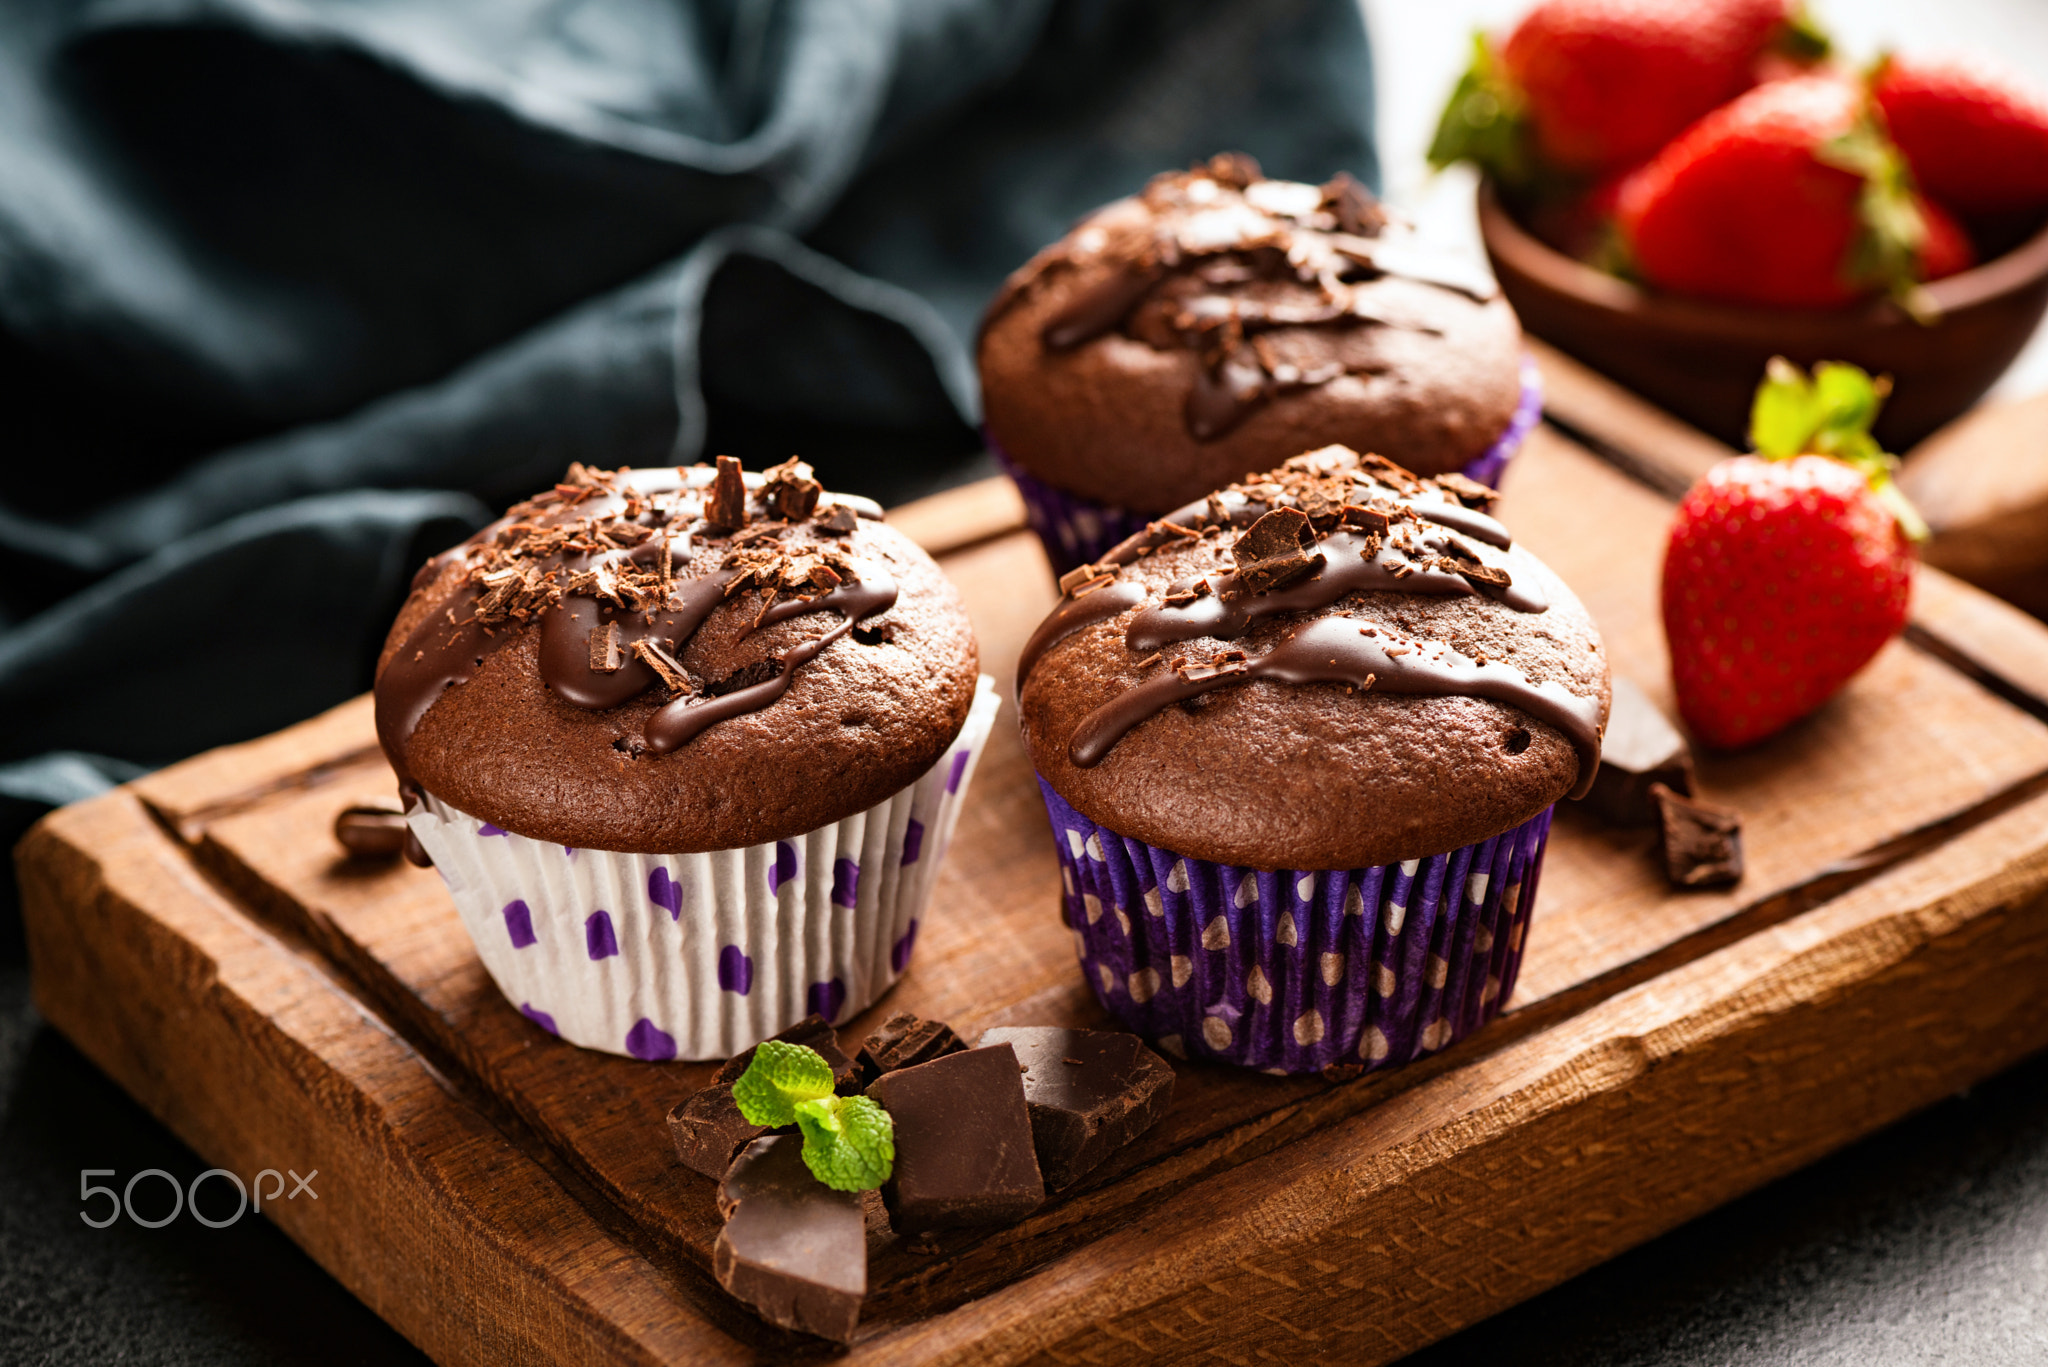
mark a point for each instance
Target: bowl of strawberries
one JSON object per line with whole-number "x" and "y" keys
{"x": 1676, "y": 191}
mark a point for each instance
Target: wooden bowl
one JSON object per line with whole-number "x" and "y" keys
{"x": 1702, "y": 360}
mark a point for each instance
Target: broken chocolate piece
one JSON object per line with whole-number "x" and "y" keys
{"x": 904, "y": 1041}
{"x": 1275, "y": 551}
{"x": 1373, "y": 521}
{"x": 964, "y": 1153}
{"x": 1490, "y": 575}
{"x": 839, "y": 519}
{"x": 1702, "y": 843}
{"x": 725, "y": 510}
{"x": 708, "y": 1129}
{"x": 1638, "y": 749}
{"x": 1089, "y": 1092}
{"x": 604, "y": 649}
{"x": 790, "y": 491}
{"x": 793, "y": 1250}
{"x": 649, "y": 651}
{"x": 371, "y": 832}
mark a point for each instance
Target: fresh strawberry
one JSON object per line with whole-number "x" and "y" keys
{"x": 1946, "y": 248}
{"x": 1788, "y": 196}
{"x": 1787, "y": 570}
{"x": 1975, "y": 141}
{"x": 1594, "y": 86}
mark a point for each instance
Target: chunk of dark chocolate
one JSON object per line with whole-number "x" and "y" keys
{"x": 904, "y": 1041}
{"x": 1089, "y": 1092}
{"x": 371, "y": 832}
{"x": 725, "y": 508}
{"x": 1275, "y": 551}
{"x": 708, "y": 1129}
{"x": 792, "y": 1249}
{"x": 964, "y": 1155}
{"x": 1639, "y": 749}
{"x": 789, "y": 491}
{"x": 1702, "y": 843}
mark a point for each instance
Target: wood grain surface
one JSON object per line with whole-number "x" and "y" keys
{"x": 508, "y": 1197}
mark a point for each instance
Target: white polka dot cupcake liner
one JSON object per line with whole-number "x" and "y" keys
{"x": 1292, "y": 971}
{"x": 1079, "y": 531}
{"x": 699, "y": 956}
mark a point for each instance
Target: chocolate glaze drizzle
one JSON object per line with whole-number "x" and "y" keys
{"x": 1253, "y": 274}
{"x": 1373, "y": 526}
{"x": 619, "y": 569}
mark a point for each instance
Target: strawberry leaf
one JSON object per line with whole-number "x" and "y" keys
{"x": 1802, "y": 38}
{"x": 1830, "y": 414}
{"x": 1483, "y": 122}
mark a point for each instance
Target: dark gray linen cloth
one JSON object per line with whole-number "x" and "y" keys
{"x": 295, "y": 292}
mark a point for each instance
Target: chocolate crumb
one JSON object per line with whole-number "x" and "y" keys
{"x": 726, "y": 508}
{"x": 663, "y": 664}
{"x": 1702, "y": 843}
{"x": 605, "y": 657}
{"x": 1491, "y": 575}
{"x": 1187, "y": 593}
{"x": 1342, "y": 1072}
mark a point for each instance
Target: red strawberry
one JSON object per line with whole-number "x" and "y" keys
{"x": 1786, "y": 572}
{"x": 1600, "y": 85}
{"x": 1946, "y": 248}
{"x": 1787, "y": 196}
{"x": 1975, "y": 142}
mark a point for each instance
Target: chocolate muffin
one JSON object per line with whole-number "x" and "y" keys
{"x": 1218, "y": 322}
{"x": 691, "y": 717}
{"x": 1302, "y": 739}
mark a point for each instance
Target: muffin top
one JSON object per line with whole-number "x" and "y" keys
{"x": 1180, "y": 339}
{"x": 1334, "y": 665}
{"x": 674, "y": 660}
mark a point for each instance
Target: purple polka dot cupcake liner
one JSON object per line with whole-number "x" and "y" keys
{"x": 1294, "y": 970}
{"x": 699, "y": 956}
{"x": 1079, "y": 530}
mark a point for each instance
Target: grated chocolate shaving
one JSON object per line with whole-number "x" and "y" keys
{"x": 1084, "y": 574}
{"x": 1469, "y": 492}
{"x": 650, "y": 652}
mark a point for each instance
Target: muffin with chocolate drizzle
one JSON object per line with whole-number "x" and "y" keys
{"x": 1220, "y": 321}
{"x": 686, "y": 745}
{"x": 1300, "y": 741}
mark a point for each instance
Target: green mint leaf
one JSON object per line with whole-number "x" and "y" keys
{"x": 849, "y": 1141}
{"x": 781, "y": 1076}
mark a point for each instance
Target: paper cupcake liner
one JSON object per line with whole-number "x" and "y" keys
{"x": 1079, "y": 530}
{"x": 699, "y": 956}
{"x": 1295, "y": 970}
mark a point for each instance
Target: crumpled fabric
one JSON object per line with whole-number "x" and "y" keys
{"x": 294, "y": 293}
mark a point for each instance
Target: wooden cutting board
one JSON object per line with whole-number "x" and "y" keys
{"x": 502, "y": 1197}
